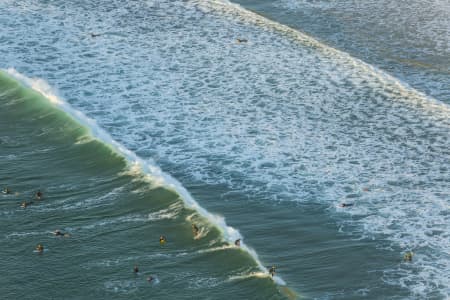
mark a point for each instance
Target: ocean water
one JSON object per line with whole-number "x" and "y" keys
{"x": 407, "y": 39}
{"x": 162, "y": 120}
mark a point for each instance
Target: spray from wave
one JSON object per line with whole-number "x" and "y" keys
{"x": 158, "y": 177}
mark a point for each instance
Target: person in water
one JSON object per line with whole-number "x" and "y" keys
{"x": 6, "y": 190}
{"x": 346, "y": 204}
{"x": 59, "y": 233}
{"x": 39, "y": 195}
{"x": 25, "y": 204}
{"x": 40, "y": 248}
{"x": 272, "y": 271}
{"x": 408, "y": 256}
{"x": 237, "y": 242}
{"x": 241, "y": 40}
{"x": 95, "y": 34}
{"x": 195, "y": 229}
{"x": 150, "y": 278}
{"x": 136, "y": 269}
{"x": 162, "y": 239}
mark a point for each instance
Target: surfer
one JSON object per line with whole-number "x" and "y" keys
{"x": 59, "y": 233}
{"x": 136, "y": 269}
{"x": 25, "y": 204}
{"x": 6, "y": 190}
{"x": 195, "y": 229}
{"x": 150, "y": 278}
{"x": 39, "y": 195}
{"x": 162, "y": 239}
{"x": 346, "y": 204}
{"x": 237, "y": 242}
{"x": 40, "y": 248}
{"x": 408, "y": 256}
{"x": 95, "y": 34}
{"x": 241, "y": 40}
{"x": 272, "y": 271}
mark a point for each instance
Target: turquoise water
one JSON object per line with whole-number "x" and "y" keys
{"x": 91, "y": 194}
{"x": 259, "y": 140}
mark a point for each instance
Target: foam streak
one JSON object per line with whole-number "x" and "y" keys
{"x": 230, "y": 234}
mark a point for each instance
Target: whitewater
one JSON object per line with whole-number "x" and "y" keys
{"x": 282, "y": 125}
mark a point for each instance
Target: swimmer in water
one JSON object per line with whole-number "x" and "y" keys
{"x": 408, "y": 256}
{"x": 272, "y": 271}
{"x": 162, "y": 239}
{"x": 40, "y": 248}
{"x": 25, "y": 204}
{"x": 59, "y": 233}
{"x": 39, "y": 195}
{"x": 237, "y": 242}
{"x": 195, "y": 229}
{"x": 149, "y": 278}
{"x": 136, "y": 269}
{"x": 346, "y": 204}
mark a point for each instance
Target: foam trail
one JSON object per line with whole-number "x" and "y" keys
{"x": 230, "y": 234}
{"x": 405, "y": 89}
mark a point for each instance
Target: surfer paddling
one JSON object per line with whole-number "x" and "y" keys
{"x": 40, "y": 248}
{"x": 25, "y": 204}
{"x": 39, "y": 195}
{"x": 60, "y": 233}
{"x": 408, "y": 256}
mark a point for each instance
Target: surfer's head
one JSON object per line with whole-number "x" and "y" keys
{"x": 40, "y": 248}
{"x": 408, "y": 256}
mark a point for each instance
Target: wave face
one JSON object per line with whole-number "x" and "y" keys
{"x": 96, "y": 195}
{"x": 140, "y": 167}
{"x": 282, "y": 126}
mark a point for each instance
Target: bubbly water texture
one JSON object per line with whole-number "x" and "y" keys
{"x": 155, "y": 176}
{"x": 408, "y": 39}
{"x": 280, "y": 117}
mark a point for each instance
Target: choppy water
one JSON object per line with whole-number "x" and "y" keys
{"x": 271, "y": 134}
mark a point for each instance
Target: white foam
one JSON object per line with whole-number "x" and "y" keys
{"x": 106, "y": 263}
{"x": 275, "y": 278}
{"x": 166, "y": 214}
{"x": 230, "y": 234}
{"x": 121, "y": 286}
{"x": 281, "y": 117}
{"x": 25, "y": 234}
{"x": 220, "y": 248}
{"x": 135, "y": 218}
{"x": 227, "y": 7}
